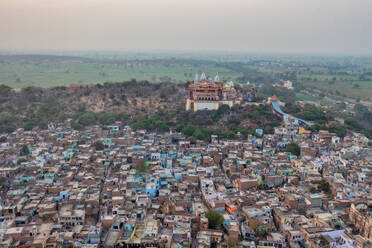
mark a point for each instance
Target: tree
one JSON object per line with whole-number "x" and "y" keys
{"x": 199, "y": 134}
{"x": 98, "y": 145}
{"x": 188, "y": 130}
{"x": 5, "y": 90}
{"x": 324, "y": 185}
{"x": 25, "y": 150}
{"x": 353, "y": 123}
{"x": 261, "y": 185}
{"x": 313, "y": 113}
{"x": 313, "y": 190}
{"x": 215, "y": 219}
{"x": 75, "y": 125}
{"x": 2, "y": 180}
{"x": 49, "y": 109}
{"x": 294, "y": 148}
{"x": 87, "y": 119}
{"x": 106, "y": 118}
{"x": 161, "y": 126}
{"x": 3, "y": 139}
{"x": 29, "y": 125}
{"x": 8, "y": 123}
{"x": 340, "y": 131}
{"x": 192, "y": 139}
{"x": 274, "y": 123}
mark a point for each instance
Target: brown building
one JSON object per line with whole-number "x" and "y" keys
{"x": 246, "y": 183}
{"x": 210, "y": 95}
{"x": 361, "y": 217}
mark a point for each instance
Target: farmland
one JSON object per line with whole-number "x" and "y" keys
{"x": 340, "y": 77}
{"x": 50, "y": 71}
{"x": 364, "y": 90}
{"x": 344, "y": 80}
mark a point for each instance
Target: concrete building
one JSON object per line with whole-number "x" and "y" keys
{"x": 210, "y": 95}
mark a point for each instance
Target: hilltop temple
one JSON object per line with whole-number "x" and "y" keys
{"x": 210, "y": 95}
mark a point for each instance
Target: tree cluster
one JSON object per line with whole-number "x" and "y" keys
{"x": 293, "y": 148}
{"x": 215, "y": 219}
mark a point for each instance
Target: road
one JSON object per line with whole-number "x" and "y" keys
{"x": 286, "y": 116}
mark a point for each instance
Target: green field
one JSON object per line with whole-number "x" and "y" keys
{"x": 303, "y": 97}
{"x": 45, "y": 72}
{"x": 336, "y": 76}
{"x": 364, "y": 90}
{"x": 346, "y": 82}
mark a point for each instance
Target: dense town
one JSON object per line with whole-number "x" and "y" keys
{"x": 185, "y": 124}
{"x": 113, "y": 186}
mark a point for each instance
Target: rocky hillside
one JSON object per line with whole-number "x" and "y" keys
{"x": 141, "y": 104}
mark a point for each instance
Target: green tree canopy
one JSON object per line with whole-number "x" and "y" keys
{"x": 340, "y": 131}
{"x": 25, "y": 150}
{"x": 87, "y": 118}
{"x": 75, "y": 125}
{"x": 188, "y": 130}
{"x": 215, "y": 219}
{"x": 313, "y": 113}
{"x": 49, "y": 109}
{"x": 5, "y": 90}
{"x": 294, "y": 148}
{"x": 2, "y": 180}
{"x": 98, "y": 145}
{"x": 324, "y": 185}
{"x": 199, "y": 134}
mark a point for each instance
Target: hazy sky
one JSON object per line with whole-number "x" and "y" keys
{"x": 322, "y": 26}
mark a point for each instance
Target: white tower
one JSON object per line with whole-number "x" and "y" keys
{"x": 196, "y": 78}
{"x": 217, "y": 78}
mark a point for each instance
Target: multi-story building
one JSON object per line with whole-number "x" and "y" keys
{"x": 361, "y": 217}
{"x": 72, "y": 217}
{"x": 210, "y": 95}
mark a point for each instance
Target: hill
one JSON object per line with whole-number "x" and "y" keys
{"x": 141, "y": 104}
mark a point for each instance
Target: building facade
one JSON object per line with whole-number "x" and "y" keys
{"x": 361, "y": 217}
{"x": 205, "y": 94}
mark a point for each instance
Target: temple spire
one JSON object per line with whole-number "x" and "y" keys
{"x": 196, "y": 78}
{"x": 203, "y": 77}
{"x": 217, "y": 78}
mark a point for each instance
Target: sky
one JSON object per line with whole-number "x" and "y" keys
{"x": 281, "y": 26}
